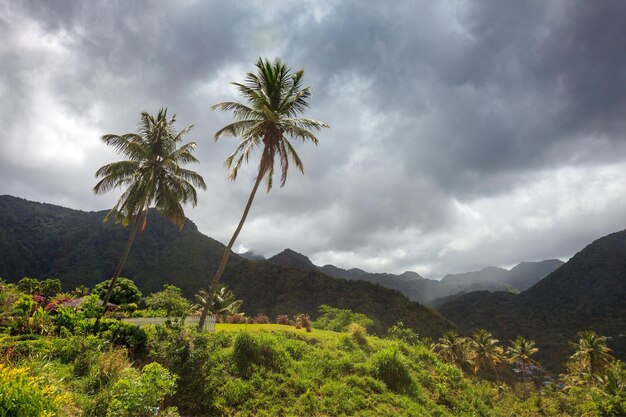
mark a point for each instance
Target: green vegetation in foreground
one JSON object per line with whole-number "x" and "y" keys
{"x": 269, "y": 370}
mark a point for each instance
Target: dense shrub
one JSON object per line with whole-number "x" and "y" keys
{"x": 400, "y": 332}
{"x": 119, "y": 333}
{"x": 359, "y": 335}
{"x": 387, "y": 365}
{"x": 67, "y": 317}
{"x": 139, "y": 394}
{"x": 256, "y": 349}
{"x": 9, "y": 294}
{"x": 338, "y": 320}
{"x": 124, "y": 291}
{"x": 171, "y": 300}
{"x": 149, "y": 313}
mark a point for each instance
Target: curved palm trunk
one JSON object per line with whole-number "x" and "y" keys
{"x": 227, "y": 251}
{"x": 118, "y": 271}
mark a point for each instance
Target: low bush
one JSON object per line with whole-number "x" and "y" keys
{"x": 400, "y": 332}
{"x": 303, "y": 321}
{"x": 387, "y": 366}
{"x": 282, "y": 319}
{"x": 256, "y": 349}
{"x": 339, "y": 320}
{"x": 236, "y": 319}
{"x": 262, "y": 319}
{"x": 359, "y": 335}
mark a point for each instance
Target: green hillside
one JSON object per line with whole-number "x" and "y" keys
{"x": 43, "y": 240}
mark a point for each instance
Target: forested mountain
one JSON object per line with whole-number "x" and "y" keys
{"x": 429, "y": 291}
{"x": 588, "y": 292}
{"x": 43, "y": 240}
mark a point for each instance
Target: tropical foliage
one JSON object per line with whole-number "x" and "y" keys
{"x": 125, "y": 291}
{"x": 338, "y": 319}
{"x": 273, "y": 369}
{"x": 223, "y": 304}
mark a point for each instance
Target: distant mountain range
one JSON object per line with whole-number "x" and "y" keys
{"x": 44, "y": 240}
{"x": 588, "y": 292}
{"x": 428, "y": 291}
{"x": 521, "y": 277}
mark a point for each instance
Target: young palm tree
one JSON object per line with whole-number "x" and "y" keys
{"x": 275, "y": 98}
{"x": 485, "y": 351}
{"x": 152, "y": 174}
{"x": 223, "y": 303}
{"x": 520, "y": 352}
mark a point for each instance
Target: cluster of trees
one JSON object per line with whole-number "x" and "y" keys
{"x": 590, "y": 366}
{"x": 127, "y": 301}
{"x": 31, "y": 295}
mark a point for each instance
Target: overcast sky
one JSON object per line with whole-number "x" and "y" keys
{"x": 464, "y": 133}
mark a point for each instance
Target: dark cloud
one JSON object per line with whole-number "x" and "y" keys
{"x": 460, "y": 130}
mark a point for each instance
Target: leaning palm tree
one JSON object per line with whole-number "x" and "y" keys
{"x": 485, "y": 352}
{"x": 521, "y": 351}
{"x": 152, "y": 175}
{"x": 267, "y": 121}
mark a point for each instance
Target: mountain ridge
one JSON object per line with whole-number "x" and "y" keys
{"x": 428, "y": 291}
{"x": 42, "y": 240}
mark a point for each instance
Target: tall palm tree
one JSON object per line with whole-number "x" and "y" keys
{"x": 453, "y": 348}
{"x": 591, "y": 357}
{"x": 486, "y": 354}
{"x": 274, "y": 99}
{"x": 152, "y": 174}
{"x": 521, "y": 351}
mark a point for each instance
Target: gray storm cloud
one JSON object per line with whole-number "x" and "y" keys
{"x": 464, "y": 134}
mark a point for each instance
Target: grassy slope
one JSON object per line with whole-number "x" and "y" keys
{"x": 323, "y": 373}
{"x": 290, "y": 372}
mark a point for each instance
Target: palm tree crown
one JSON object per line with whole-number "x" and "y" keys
{"x": 485, "y": 351}
{"x": 592, "y": 354}
{"x": 152, "y": 174}
{"x": 453, "y": 348}
{"x": 275, "y": 97}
